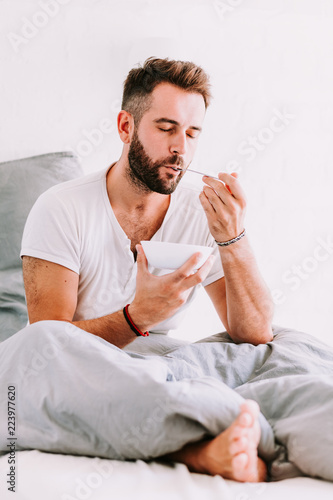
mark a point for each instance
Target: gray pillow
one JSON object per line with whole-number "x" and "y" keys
{"x": 21, "y": 182}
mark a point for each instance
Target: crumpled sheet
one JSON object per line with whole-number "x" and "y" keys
{"x": 77, "y": 394}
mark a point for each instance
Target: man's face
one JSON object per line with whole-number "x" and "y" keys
{"x": 163, "y": 145}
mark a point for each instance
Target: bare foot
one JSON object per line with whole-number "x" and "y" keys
{"x": 233, "y": 453}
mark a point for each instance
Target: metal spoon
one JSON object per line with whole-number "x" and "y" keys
{"x": 201, "y": 173}
{"x": 207, "y": 175}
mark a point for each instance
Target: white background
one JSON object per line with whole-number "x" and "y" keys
{"x": 61, "y": 80}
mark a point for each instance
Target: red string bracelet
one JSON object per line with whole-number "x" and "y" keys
{"x": 132, "y": 325}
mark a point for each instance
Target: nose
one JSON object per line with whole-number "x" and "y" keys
{"x": 178, "y": 145}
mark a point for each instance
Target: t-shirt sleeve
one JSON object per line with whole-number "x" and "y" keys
{"x": 51, "y": 233}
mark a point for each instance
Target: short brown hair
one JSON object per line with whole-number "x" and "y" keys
{"x": 141, "y": 81}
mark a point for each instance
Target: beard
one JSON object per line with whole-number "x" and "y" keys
{"x": 145, "y": 174}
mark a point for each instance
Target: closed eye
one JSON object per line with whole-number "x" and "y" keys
{"x": 171, "y": 130}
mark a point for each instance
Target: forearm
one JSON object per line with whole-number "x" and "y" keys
{"x": 51, "y": 292}
{"x": 249, "y": 303}
{"x": 112, "y": 328}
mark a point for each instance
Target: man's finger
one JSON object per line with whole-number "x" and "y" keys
{"x": 233, "y": 184}
{"x": 201, "y": 273}
{"x": 187, "y": 268}
{"x": 220, "y": 189}
{"x": 206, "y": 204}
{"x": 216, "y": 201}
{"x": 141, "y": 259}
{"x": 229, "y": 187}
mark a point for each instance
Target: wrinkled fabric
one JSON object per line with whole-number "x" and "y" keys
{"x": 78, "y": 394}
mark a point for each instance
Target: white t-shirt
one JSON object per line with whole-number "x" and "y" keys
{"x": 73, "y": 224}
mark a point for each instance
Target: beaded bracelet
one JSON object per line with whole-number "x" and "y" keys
{"x": 229, "y": 242}
{"x": 132, "y": 325}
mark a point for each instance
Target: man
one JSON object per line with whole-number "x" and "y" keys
{"x": 85, "y": 234}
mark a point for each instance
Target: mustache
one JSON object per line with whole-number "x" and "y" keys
{"x": 175, "y": 160}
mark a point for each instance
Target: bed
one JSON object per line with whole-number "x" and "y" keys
{"x": 56, "y": 475}
{"x": 66, "y": 477}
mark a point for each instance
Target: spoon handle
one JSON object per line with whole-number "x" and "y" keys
{"x": 201, "y": 173}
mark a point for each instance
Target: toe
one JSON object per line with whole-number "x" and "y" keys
{"x": 239, "y": 462}
{"x": 251, "y": 406}
{"x": 239, "y": 445}
{"x": 249, "y": 413}
{"x": 245, "y": 419}
{"x": 245, "y": 468}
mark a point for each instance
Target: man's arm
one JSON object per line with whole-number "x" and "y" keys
{"x": 241, "y": 298}
{"x": 51, "y": 293}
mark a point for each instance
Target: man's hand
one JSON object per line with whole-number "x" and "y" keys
{"x": 224, "y": 204}
{"x": 241, "y": 298}
{"x": 159, "y": 297}
{"x": 51, "y": 292}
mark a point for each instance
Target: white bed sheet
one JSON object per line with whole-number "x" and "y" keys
{"x": 46, "y": 476}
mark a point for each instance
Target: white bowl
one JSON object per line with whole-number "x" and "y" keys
{"x": 165, "y": 255}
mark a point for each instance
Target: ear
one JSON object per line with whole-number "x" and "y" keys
{"x": 125, "y": 123}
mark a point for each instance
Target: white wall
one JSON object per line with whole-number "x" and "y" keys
{"x": 61, "y": 80}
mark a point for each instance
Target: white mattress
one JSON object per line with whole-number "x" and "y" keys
{"x": 46, "y": 476}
